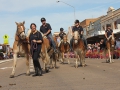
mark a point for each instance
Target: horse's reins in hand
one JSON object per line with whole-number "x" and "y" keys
{"x": 33, "y": 47}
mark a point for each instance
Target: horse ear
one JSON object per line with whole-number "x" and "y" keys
{"x": 23, "y": 22}
{"x": 16, "y": 23}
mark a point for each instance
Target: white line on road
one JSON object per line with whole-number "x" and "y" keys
{"x": 5, "y": 68}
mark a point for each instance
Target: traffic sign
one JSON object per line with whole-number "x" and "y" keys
{"x": 5, "y": 36}
{"x": 6, "y": 39}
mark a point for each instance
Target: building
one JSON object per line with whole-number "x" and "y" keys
{"x": 85, "y": 23}
{"x": 113, "y": 18}
{"x": 56, "y": 33}
{"x": 93, "y": 29}
{"x": 96, "y": 30}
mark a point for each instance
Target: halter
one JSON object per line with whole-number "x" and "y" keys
{"x": 20, "y": 32}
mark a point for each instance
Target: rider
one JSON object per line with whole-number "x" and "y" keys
{"x": 61, "y": 34}
{"x": 108, "y": 33}
{"x": 78, "y": 28}
{"x": 45, "y": 28}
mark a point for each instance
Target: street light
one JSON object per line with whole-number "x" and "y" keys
{"x": 68, "y": 5}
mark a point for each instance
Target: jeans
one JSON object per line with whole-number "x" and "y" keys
{"x": 52, "y": 41}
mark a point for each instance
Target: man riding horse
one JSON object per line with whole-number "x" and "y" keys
{"x": 78, "y": 28}
{"x": 45, "y": 28}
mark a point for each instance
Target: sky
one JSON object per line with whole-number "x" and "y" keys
{"x": 57, "y": 14}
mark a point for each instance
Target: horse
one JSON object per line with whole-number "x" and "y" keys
{"x": 64, "y": 48}
{"x": 20, "y": 45}
{"x": 53, "y": 56}
{"x": 79, "y": 49}
{"x": 110, "y": 45}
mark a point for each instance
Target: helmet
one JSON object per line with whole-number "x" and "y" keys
{"x": 61, "y": 29}
{"x": 43, "y": 19}
{"x": 76, "y": 21}
{"x": 108, "y": 25}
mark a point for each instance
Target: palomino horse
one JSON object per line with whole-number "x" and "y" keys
{"x": 64, "y": 48}
{"x": 20, "y": 42}
{"x": 110, "y": 45}
{"x": 79, "y": 49}
{"x": 53, "y": 55}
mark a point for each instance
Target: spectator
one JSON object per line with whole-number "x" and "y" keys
{"x": 117, "y": 44}
{"x": 101, "y": 44}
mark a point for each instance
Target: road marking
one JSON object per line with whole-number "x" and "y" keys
{"x": 3, "y": 61}
{"x": 5, "y": 68}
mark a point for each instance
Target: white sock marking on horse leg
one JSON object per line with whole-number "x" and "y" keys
{"x": 14, "y": 63}
{"x": 76, "y": 62}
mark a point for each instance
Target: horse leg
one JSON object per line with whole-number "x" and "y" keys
{"x": 76, "y": 66}
{"x": 109, "y": 56}
{"x": 112, "y": 57}
{"x": 51, "y": 62}
{"x": 14, "y": 65}
{"x": 82, "y": 59}
{"x": 62, "y": 58}
{"x": 27, "y": 63}
{"x": 68, "y": 58}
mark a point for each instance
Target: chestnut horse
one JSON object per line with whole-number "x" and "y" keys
{"x": 64, "y": 48}
{"x": 110, "y": 45}
{"x": 20, "y": 45}
{"x": 79, "y": 49}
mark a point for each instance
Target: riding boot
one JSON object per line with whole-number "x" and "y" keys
{"x": 39, "y": 69}
{"x": 36, "y": 72}
{"x": 71, "y": 45}
{"x": 35, "y": 66}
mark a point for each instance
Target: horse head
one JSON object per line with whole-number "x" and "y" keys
{"x": 111, "y": 40}
{"x": 21, "y": 30}
{"x": 76, "y": 37}
{"x": 64, "y": 39}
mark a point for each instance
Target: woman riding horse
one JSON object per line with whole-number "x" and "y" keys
{"x": 108, "y": 33}
{"x": 109, "y": 42}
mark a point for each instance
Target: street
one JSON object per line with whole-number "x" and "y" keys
{"x": 97, "y": 75}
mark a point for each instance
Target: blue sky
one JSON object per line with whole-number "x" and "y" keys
{"x": 57, "y": 14}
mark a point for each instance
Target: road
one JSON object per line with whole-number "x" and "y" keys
{"x": 97, "y": 75}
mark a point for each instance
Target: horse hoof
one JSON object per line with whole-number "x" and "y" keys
{"x": 47, "y": 70}
{"x": 112, "y": 61}
{"x": 76, "y": 66}
{"x": 68, "y": 63}
{"x": 27, "y": 74}
{"x": 11, "y": 76}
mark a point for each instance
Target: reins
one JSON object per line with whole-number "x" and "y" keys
{"x": 33, "y": 47}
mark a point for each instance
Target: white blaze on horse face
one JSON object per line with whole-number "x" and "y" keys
{"x": 76, "y": 41}
{"x": 23, "y": 33}
{"x": 112, "y": 45}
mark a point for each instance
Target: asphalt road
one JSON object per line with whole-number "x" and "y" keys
{"x": 97, "y": 75}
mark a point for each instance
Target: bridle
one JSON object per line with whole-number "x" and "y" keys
{"x": 23, "y": 30}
